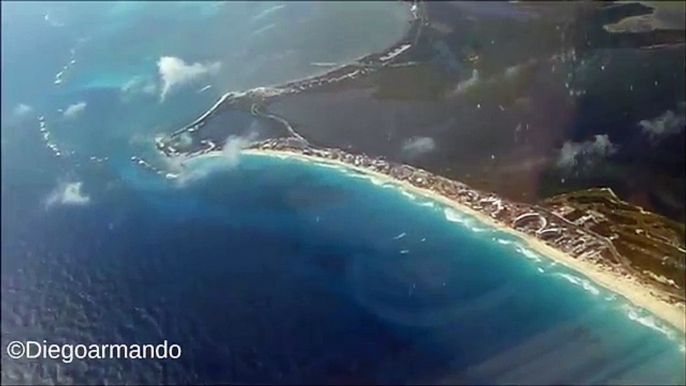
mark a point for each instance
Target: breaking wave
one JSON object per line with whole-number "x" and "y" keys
{"x": 649, "y": 321}
{"x": 584, "y": 283}
{"x": 455, "y": 216}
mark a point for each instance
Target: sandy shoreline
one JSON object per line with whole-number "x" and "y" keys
{"x": 629, "y": 288}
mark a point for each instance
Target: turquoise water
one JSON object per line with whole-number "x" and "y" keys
{"x": 429, "y": 247}
{"x": 478, "y": 295}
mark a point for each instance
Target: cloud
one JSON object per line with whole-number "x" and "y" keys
{"x": 21, "y": 110}
{"x": 75, "y": 110}
{"x": 184, "y": 140}
{"x": 416, "y": 146}
{"x": 468, "y": 83}
{"x": 233, "y": 146}
{"x": 513, "y": 71}
{"x": 227, "y": 159}
{"x": 67, "y": 193}
{"x": 138, "y": 85}
{"x": 174, "y": 72}
{"x": 149, "y": 88}
{"x": 572, "y": 153}
{"x": 568, "y": 153}
{"x": 668, "y": 123}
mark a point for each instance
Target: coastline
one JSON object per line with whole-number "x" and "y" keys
{"x": 629, "y": 288}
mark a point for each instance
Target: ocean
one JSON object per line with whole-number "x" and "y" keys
{"x": 263, "y": 270}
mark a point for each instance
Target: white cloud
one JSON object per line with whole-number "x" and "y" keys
{"x": 67, "y": 193}
{"x": 174, "y": 72}
{"x": 568, "y": 153}
{"x": 574, "y": 152}
{"x": 21, "y": 109}
{"x": 233, "y": 146}
{"x": 138, "y": 84}
{"x": 184, "y": 140}
{"x": 667, "y": 124}
{"x": 149, "y": 88}
{"x": 513, "y": 71}
{"x": 418, "y": 145}
{"x": 468, "y": 83}
{"x": 226, "y": 160}
{"x": 602, "y": 146}
{"x": 75, "y": 110}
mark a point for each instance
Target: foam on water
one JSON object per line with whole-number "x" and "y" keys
{"x": 528, "y": 253}
{"x": 583, "y": 283}
{"x": 503, "y": 241}
{"x": 429, "y": 204}
{"x": 408, "y": 194}
{"x": 464, "y": 219}
{"x": 649, "y": 321}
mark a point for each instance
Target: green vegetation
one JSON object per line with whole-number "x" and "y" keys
{"x": 650, "y": 242}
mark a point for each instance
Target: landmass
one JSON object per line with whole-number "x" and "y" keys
{"x": 448, "y": 72}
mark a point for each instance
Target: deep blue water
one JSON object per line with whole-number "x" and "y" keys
{"x": 269, "y": 270}
{"x": 278, "y": 271}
